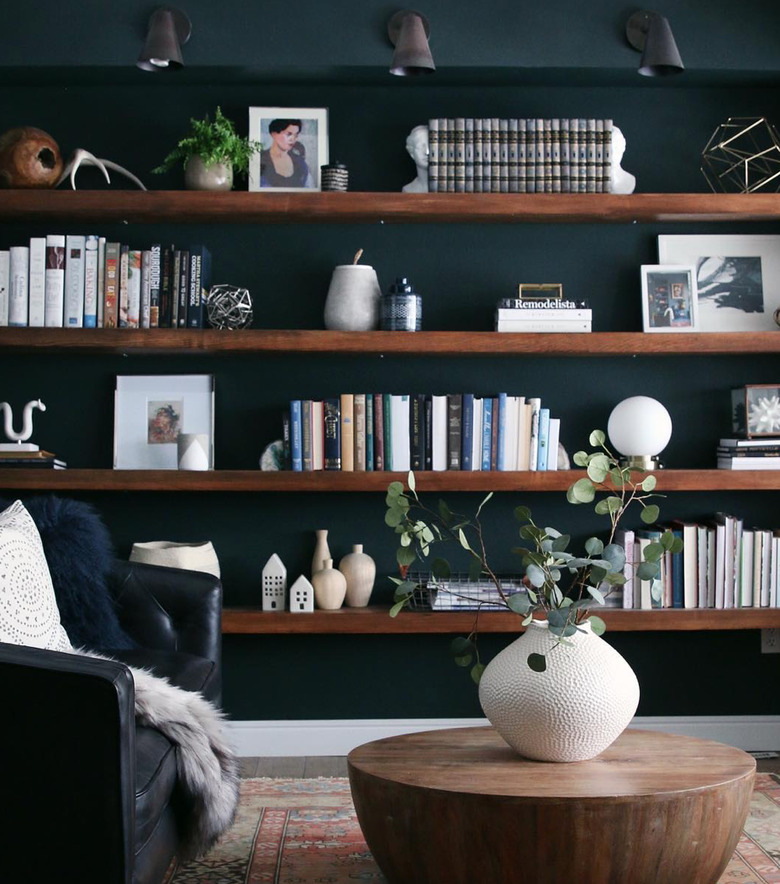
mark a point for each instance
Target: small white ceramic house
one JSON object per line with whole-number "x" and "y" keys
{"x": 274, "y": 584}
{"x": 302, "y": 596}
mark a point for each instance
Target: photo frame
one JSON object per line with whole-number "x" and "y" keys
{"x": 669, "y": 302}
{"x": 737, "y": 276}
{"x": 151, "y": 410}
{"x": 294, "y": 146}
{"x": 756, "y": 411}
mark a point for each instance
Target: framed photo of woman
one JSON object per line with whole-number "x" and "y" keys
{"x": 294, "y": 144}
{"x": 669, "y": 302}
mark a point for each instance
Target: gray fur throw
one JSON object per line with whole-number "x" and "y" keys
{"x": 207, "y": 768}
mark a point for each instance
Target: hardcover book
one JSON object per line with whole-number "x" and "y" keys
{"x": 134, "y": 288}
{"x": 19, "y": 286}
{"x": 5, "y": 259}
{"x": 296, "y": 435}
{"x": 347, "y": 410}
{"x": 331, "y": 421}
{"x": 359, "y": 405}
{"x": 91, "y": 249}
{"x": 74, "y": 281}
{"x": 110, "y": 314}
{"x": 37, "y": 282}
{"x": 122, "y": 291}
{"x": 155, "y": 280}
{"x": 54, "y": 293}
{"x": 454, "y": 428}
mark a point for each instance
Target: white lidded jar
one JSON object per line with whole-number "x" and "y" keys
{"x": 352, "y": 303}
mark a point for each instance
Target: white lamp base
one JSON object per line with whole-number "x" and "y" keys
{"x": 18, "y": 446}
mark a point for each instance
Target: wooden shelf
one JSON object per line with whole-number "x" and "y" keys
{"x": 359, "y": 482}
{"x": 376, "y": 620}
{"x": 187, "y": 207}
{"x": 440, "y": 343}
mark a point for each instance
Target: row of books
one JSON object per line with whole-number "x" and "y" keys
{"x": 749, "y": 454}
{"x": 384, "y": 431}
{"x": 86, "y": 282}
{"x": 722, "y": 565}
{"x": 492, "y": 155}
{"x": 40, "y": 459}
{"x": 549, "y": 315}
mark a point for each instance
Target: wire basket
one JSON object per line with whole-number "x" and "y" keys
{"x": 458, "y": 593}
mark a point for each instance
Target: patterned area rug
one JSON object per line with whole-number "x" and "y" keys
{"x": 306, "y": 832}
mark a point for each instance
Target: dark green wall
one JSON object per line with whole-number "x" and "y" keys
{"x": 241, "y": 56}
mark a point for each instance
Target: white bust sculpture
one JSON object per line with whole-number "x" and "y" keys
{"x": 417, "y": 147}
{"x": 622, "y": 181}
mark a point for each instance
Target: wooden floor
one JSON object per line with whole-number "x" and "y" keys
{"x": 336, "y": 766}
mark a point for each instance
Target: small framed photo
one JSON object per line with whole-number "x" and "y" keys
{"x": 669, "y": 298}
{"x": 756, "y": 410}
{"x": 151, "y": 410}
{"x": 294, "y": 145}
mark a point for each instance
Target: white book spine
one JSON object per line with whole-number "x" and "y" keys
{"x": 439, "y": 433}
{"x": 19, "y": 285}
{"x": 146, "y": 287}
{"x": 133, "y": 288}
{"x": 536, "y": 404}
{"x": 37, "y": 281}
{"x": 5, "y": 259}
{"x": 402, "y": 455}
{"x": 522, "y": 314}
{"x": 510, "y": 432}
{"x": 720, "y": 565}
{"x": 90, "y": 281}
{"x": 101, "y": 280}
{"x": 55, "y": 281}
{"x": 476, "y": 434}
{"x": 74, "y": 281}
{"x": 552, "y": 450}
{"x": 543, "y": 325}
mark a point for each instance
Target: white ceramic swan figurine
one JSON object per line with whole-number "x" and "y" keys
{"x": 27, "y": 426}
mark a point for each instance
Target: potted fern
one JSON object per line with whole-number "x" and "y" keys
{"x": 210, "y": 153}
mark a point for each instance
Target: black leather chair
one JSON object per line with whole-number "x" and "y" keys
{"x": 87, "y": 796}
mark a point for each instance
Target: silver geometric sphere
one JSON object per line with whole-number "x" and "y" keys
{"x": 229, "y": 306}
{"x": 743, "y": 156}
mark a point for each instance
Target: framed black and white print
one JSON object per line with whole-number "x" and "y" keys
{"x": 151, "y": 410}
{"x": 668, "y": 298}
{"x": 294, "y": 144}
{"x": 737, "y": 277}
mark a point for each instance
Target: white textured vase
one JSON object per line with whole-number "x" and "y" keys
{"x": 352, "y": 303}
{"x": 573, "y": 710}
{"x": 199, "y": 176}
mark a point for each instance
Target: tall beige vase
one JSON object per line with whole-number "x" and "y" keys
{"x": 321, "y": 551}
{"x": 360, "y": 570}
{"x": 330, "y": 587}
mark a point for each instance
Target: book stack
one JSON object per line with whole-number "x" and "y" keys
{"x": 492, "y": 155}
{"x": 749, "y": 454}
{"x": 401, "y": 432}
{"x": 723, "y": 564}
{"x": 458, "y": 593}
{"x": 547, "y": 315}
{"x": 59, "y": 281}
{"x": 30, "y": 460}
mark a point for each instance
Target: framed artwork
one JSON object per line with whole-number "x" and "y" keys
{"x": 294, "y": 145}
{"x": 756, "y": 410}
{"x": 669, "y": 298}
{"x": 737, "y": 277}
{"x": 151, "y": 410}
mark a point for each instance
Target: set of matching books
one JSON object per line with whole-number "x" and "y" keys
{"x": 547, "y": 315}
{"x": 749, "y": 454}
{"x": 492, "y": 155}
{"x": 384, "y": 431}
{"x": 722, "y": 565}
{"x": 30, "y": 460}
{"x": 86, "y": 282}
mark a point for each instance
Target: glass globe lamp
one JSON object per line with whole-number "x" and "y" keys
{"x": 639, "y": 428}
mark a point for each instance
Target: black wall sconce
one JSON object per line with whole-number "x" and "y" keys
{"x": 408, "y": 31}
{"x": 169, "y": 29}
{"x": 650, "y": 34}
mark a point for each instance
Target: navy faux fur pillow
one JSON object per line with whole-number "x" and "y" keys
{"x": 80, "y": 554}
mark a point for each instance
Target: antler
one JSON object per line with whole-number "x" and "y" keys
{"x": 84, "y": 157}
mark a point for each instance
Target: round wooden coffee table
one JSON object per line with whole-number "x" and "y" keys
{"x": 459, "y": 806}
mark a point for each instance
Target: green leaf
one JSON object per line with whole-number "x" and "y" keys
{"x": 619, "y": 477}
{"x": 444, "y": 513}
{"x": 667, "y": 540}
{"x": 596, "y": 594}
{"x": 650, "y": 514}
{"x": 677, "y": 546}
{"x": 597, "y": 438}
{"x": 410, "y": 481}
{"x": 440, "y": 568}
{"x": 394, "y": 517}
{"x": 537, "y": 662}
{"x": 602, "y": 507}
{"x": 463, "y": 540}
{"x": 561, "y": 542}
{"x": 519, "y": 603}
{"x": 598, "y": 626}
{"x": 649, "y": 483}
{"x": 653, "y": 552}
{"x": 648, "y": 570}
{"x": 583, "y": 491}
{"x": 597, "y": 574}
{"x": 465, "y": 660}
{"x": 395, "y": 488}
{"x": 536, "y": 575}
{"x": 460, "y": 646}
{"x": 406, "y": 539}
{"x": 405, "y": 555}
{"x": 475, "y": 569}
{"x": 656, "y": 590}
{"x": 476, "y": 672}
{"x": 615, "y": 555}
{"x": 479, "y": 508}
{"x": 598, "y": 470}
{"x": 594, "y": 546}
{"x": 522, "y": 514}
{"x": 398, "y": 606}
{"x": 580, "y": 458}
{"x": 570, "y": 495}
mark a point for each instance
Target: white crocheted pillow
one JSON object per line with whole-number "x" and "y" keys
{"x": 28, "y": 606}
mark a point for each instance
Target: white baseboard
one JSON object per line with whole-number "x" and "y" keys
{"x": 292, "y": 738}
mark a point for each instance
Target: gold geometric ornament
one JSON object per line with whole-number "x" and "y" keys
{"x": 743, "y": 156}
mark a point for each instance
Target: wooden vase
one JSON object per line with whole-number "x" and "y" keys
{"x": 321, "y": 551}
{"x": 359, "y": 569}
{"x": 330, "y": 587}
